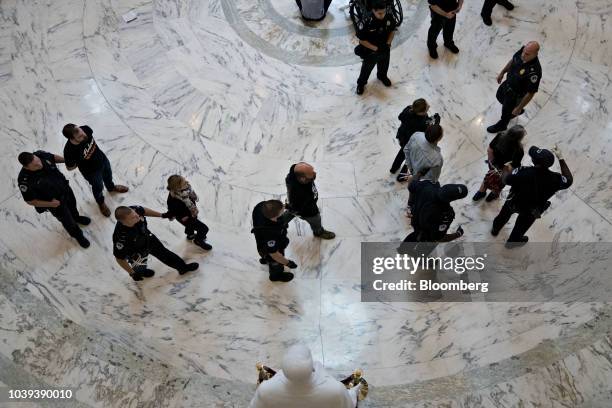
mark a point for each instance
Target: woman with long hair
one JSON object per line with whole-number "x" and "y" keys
{"x": 505, "y": 147}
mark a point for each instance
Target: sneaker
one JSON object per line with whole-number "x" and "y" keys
{"x": 83, "y": 220}
{"x": 281, "y": 277}
{"x": 496, "y": 128}
{"x": 326, "y": 235}
{"x": 487, "y": 20}
{"x": 189, "y": 268}
{"x": 360, "y": 89}
{"x": 83, "y": 242}
{"x": 120, "y": 189}
{"x": 147, "y": 273}
{"x": 479, "y": 195}
{"x": 263, "y": 261}
{"x": 433, "y": 53}
{"x": 190, "y": 237}
{"x": 136, "y": 276}
{"x": 104, "y": 209}
{"x": 203, "y": 244}
{"x": 452, "y": 47}
{"x": 386, "y": 81}
{"x": 492, "y": 196}
{"x": 509, "y": 6}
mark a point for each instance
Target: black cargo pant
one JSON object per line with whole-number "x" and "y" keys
{"x": 439, "y": 23}
{"x": 487, "y": 7}
{"x": 158, "y": 250}
{"x": 193, "y": 226}
{"x": 274, "y": 268}
{"x": 509, "y": 100}
{"x": 523, "y": 222}
{"x": 67, "y": 214}
{"x": 371, "y": 59}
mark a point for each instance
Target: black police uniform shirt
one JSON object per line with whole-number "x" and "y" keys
{"x": 376, "y": 31}
{"x": 271, "y": 236}
{"x": 446, "y": 5}
{"x": 431, "y": 217}
{"x": 86, "y": 155}
{"x": 302, "y": 197}
{"x": 45, "y": 184}
{"x": 503, "y": 155}
{"x": 131, "y": 243}
{"x": 533, "y": 186}
{"x": 524, "y": 77}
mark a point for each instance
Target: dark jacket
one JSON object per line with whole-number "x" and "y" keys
{"x": 302, "y": 197}
{"x": 411, "y": 123}
{"x": 177, "y": 208}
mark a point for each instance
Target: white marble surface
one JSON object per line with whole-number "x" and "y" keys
{"x": 230, "y": 96}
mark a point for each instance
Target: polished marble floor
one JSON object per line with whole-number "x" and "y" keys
{"x": 230, "y": 93}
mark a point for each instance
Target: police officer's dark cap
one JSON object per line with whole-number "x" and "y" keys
{"x": 541, "y": 157}
{"x": 452, "y": 192}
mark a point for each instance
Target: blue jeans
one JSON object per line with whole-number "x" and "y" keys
{"x": 99, "y": 179}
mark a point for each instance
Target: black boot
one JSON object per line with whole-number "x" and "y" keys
{"x": 202, "y": 244}
{"x": 281, "y": 276}
{"x": 189, "y": 268}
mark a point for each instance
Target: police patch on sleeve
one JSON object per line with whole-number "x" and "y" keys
{"x": 119, "y": 246}
{"x": 23, "y": 187}
{"x": 515, "y": 171}
{"x": 564, "y": 179}
{"x": 442, "y": 227}
{"x": 271, "y": 243}
{"x": 534, "y": 79}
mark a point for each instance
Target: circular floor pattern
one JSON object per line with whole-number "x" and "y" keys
{"x": 232, "y": 97}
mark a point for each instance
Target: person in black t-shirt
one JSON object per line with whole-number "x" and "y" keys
{"x": 443, "y": 18}
{"x": 413, "y": 119}
{"x": 182, "y": 206}
{"x": 133, "y": 242}
{"x": 375, "y": 36}
{"x": 532, "y": 186}
{"x": 270, "y": 229}
{"x": 82, "y": 151}
{"x": 523, "y": 80}
{"x": 45, "y": 188}
{"x": 302, "y": 196}
{"x": 506, "y": 147}
{"x": 487, "y": 9}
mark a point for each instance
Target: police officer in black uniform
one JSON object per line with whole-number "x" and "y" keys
{"x": 524, "y": 75}
{"x": 270, "y": 229}
{"x": 375, "y": 36}
{"x": 43, "y": 186}
{"x": 532, "y": 186}
{"x": 487, "y": 9}
{"x": 133, "y": 242}
{"x": 302, "y": 197}
{"x": 443, "y": 18}
{"x": 432, "y": 213}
